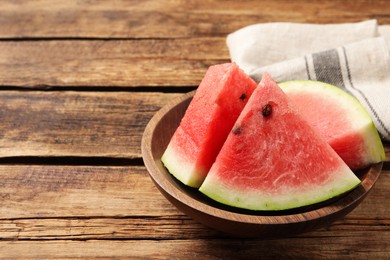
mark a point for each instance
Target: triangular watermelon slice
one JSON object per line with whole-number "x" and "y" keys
{"x": 217, "y": 103}
{"x": 274, "y": 160}
{"x": 340, "y": 119}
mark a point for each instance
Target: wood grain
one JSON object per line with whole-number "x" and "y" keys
{"x": 79, "y": 191}
{"x": 68, "y": 123}
{"x": 129, "y": 228}
{"x": 124, "y": 63}
{"x": 341, "y": 245}
{"x": 178, "y": 227}
{"x": 118, "y": 192}
{"x": 71, "y": 174}
{"x": 102, "y": 215}
{"x": 78, "y": 124}
{"x": 170, "y": 19}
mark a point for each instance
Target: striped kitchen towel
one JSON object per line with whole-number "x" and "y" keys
{"x": 353, "y": 56}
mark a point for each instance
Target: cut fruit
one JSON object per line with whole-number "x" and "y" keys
{"x": 274, "y": 160}
{"x": 217, "y": 103}
{"x": 340, "y": 119}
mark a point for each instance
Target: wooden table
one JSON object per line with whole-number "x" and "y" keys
{"x": 79, "y": 82}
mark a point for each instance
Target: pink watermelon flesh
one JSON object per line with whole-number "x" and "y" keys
{"x": 217, "y": 103}
{"x": 340, "y": 119}
{"x": 274, "y": 160}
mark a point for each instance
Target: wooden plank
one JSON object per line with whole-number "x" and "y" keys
{"x": 363, "y": 245}
{"x": 44, "y": 191}
{"x": 81, "y": 208}
{"x": 71, "y": 124}
{"x": 125, "y": 63}
{"x": 71, "y": 191}
{"x": 67, "y": 123}
{"x": 164, "y": 227}
{"x": 170, "y": 19}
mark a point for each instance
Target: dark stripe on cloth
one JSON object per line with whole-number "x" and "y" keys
{"x": 307, "y": 69}
{"x": 327, "y": 67}
{"x": 362, "y": 94}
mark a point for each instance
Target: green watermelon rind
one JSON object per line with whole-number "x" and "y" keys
{"x": 361, "y": 117}
{"x": 178, "y": 167}
{"x": 217, "y": 190}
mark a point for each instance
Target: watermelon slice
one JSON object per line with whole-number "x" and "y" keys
{"x": 340, "y": 119}
{"x": 216, "y": 105}
{"x": 274, "y": 160}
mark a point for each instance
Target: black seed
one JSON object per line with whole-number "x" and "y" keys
{"x": 267, "y": 110}
{"x": 236, "y": 130}
{"x": 243, "y": 96}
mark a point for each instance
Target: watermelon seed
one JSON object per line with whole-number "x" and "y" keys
{"x": 267, "y": 110}
{"x": 243, "y": 96}
{"x": 236, "y": 130}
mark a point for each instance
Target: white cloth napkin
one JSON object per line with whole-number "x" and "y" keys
{"x": 352, "y": 56}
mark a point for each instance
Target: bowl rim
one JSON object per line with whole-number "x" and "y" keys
{"x": 159, "y": 178}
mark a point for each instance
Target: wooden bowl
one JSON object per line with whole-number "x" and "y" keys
{"x": 238, "y": 222}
